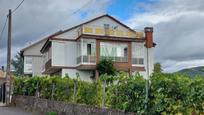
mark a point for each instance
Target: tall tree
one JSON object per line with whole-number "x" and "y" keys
{"x": 157, "y": 68}
{"x": 17, "y": 63}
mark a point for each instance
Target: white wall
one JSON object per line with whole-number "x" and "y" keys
{"x": 143, "y": 53}
{"x": 58, "y": 53}
{"x": 64, "y": 53}
{"x": 106, "y": 20}
{"x": 84, "y": 75}
{"x": 35, "y": 65}
{"x": 150, "y": 59}
{"x": 33, "y": 52}
{"x": 72, "y": 34}
{"x": 35, "y": 49}
{"x": 70, "y": 53}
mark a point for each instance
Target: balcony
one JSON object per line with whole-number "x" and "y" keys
{"x": 86, "y": 62}
{"x": 96, "y": 30}
{"x": 86, "y": 59}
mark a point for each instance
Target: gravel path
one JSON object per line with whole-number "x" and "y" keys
{"x": 13, "y": 111}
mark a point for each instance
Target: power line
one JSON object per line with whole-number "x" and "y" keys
{"x": 2, "y": 31}
{"x": 18, "y": 6}
{"x": 1, "y": 35}
{"x": 85, "y": 5}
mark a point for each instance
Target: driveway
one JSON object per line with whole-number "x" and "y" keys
{"x": 13, "y": 111}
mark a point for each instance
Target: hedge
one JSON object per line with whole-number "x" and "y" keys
{"x": 168, "y": 93}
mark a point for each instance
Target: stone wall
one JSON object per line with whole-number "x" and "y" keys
{"x": 43, "y": 106}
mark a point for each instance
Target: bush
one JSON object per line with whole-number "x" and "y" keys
{"x": 129, "y": 95}
{"x": 168, "y": 93}
{"x": 89, "y": 93}
{"x": 51, "y": 113}
{"x": 59, "y": 89}
{"x": 106, "y": 66}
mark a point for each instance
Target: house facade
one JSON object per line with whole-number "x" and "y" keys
{"x": 33, "y": 58}
{"x": 80, "y": 48}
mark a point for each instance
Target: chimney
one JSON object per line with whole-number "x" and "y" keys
{"x": 149, "y": 37}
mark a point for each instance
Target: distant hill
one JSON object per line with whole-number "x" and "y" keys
{"x": 193, "y": 71}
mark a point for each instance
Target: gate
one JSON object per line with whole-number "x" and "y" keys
{"x": 3, "y": 92}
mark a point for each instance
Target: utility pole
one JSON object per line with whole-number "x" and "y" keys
{"x": 8, "y": 74}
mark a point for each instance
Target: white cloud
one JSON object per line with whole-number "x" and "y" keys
{"x": 36, "y": 19}
{"x": 178, "y": 31}
{"x": 173, "y": 66}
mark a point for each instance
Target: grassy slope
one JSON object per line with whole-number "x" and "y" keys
{"x": 193, "y": 71}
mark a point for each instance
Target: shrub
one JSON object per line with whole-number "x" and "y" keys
{"x": 169, "y": 93}
{"x": 106, "y": 66}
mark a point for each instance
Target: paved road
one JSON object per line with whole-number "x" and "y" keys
{"x": 12, "y": 111}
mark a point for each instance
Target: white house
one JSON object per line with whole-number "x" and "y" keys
{"x": 80, "y": 48}
{"x": 33, "y": 58}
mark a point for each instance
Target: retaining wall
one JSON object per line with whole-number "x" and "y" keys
{"x": 43, "y": 106}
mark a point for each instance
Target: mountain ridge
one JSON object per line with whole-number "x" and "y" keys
{"x": 192, "y": 72}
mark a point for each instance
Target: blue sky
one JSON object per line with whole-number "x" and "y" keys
{"x": 124, "y": 9}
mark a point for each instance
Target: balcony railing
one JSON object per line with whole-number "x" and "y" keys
{"x": 116, "y": 59}
{"x": 96, "y": 30}
{"x": 138, "y": 61}
{"x": 86, "y": 59}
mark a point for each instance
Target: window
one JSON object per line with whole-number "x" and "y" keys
{"x": 28, "y": 64}
{"x": 28, "y": 60}
{"x": 88, "y": 49}
{"x": 116, "y": 51}
{"x": 137, "y": 53}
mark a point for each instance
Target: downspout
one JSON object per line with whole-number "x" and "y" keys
{"x": 147, "y": 80}
{"x": 149, "y": 44}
